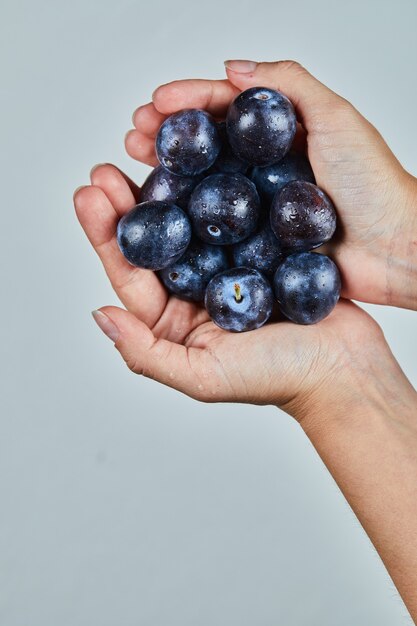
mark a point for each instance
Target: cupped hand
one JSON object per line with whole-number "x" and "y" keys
{"x": 375, "y": 197}
{"x": 174, "y": 341}
{"x": 338, "y": 378}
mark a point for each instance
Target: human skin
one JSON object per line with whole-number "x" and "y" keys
{"x": 338, "y": 378}
{"x": 374, "y": 195}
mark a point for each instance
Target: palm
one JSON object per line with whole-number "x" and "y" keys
{"x": 192, "y": 353}
{"x": 349, "y": 158}
{"x": 356, "y": 168}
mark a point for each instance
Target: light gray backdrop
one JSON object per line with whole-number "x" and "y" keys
{"x": 123, "y": 503}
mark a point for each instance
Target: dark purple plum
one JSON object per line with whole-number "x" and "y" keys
{"x": 307, "y": 287}
{"x": 227, "y": 162}
{"x": 302, "y": 216}
{"x": 268, "y": 179}
{"x": 224, "y": 209}
{"x": 239, "y": 299}
{"x": 154, "y": 234}
{"x": 188, "y": 142}
{"x": 164, "y": 186}
{"x": 261, "y": 125}
{"x": 261, "y": 251}
{"x": 188, "y": 277}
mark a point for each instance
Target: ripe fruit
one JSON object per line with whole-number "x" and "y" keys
{"x": 153, "y": 234}
{"x": 227, "y": 162}
{"x": 262, "y": 251}
{"x": 164, "y": 186}
{"x": 269, "y": 179}
{"x": 188, "y": 142}
{"x": 239, "y": 299}
{"x": 224, "y": 209}
{"x": 228, "y": 204}
{"x": 302, "y": 216}
{"x": 189, "y": 276}
{"x": 261, "y": 125}
{"x": 307, "y": 287}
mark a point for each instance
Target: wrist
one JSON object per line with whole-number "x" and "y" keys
{"x": 365, "y": 408}
{"x": 363, "y": 382}
{"x": 369, "y": 444}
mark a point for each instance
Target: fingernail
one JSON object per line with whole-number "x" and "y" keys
{"x": 241, "y": 66}
{"x": 93, "y": 169}
{"x": 155, "y": 92}
{"x": 78, "y": 189}
{"x": 108, "y": 327}
{"x": 135, "y": 112}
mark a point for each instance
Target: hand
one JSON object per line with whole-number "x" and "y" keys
{"x": 375, "y": 197}
{"x": 174, "y": 342}
{"x": 337, "y": 378}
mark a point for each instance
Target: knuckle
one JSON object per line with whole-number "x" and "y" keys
{"x": 290, "y": 66}
{"x": 329, "y": 115}
{"x": 342, "y": 114}
{"x": 138, "y": 368}
{"x": 169, "y": 91}
{"x": 153, "y": 365}
{"x": 159, "y": 350}
{"x": 341, "y": 106}
{"x": 133, "y": 364}
{"x": 202, "y": 396}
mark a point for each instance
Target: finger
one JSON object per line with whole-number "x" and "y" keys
{"x": 122, "y": 192}
{"x": 139, "y": 290}
{"x": 147, "y": 120}
{"x": 309, "y": 96}
{"x": 300, "y": 140}
{"x": 179, "y": 319}
{"x": 167, "y": 362}
{"x": 141, "y": 147}
{"x": 213, "y": 96}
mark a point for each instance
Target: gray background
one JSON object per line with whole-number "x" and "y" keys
{"x": 122, "y": 502}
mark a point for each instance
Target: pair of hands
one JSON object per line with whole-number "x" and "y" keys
{"x": 298, "y": 368}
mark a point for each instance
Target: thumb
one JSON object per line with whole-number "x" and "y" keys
{"x": 309, "y": 96}
{"x": 169, "y": 363}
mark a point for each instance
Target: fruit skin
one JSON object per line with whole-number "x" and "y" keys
{"x": 251, "y": 312}
{"x": 164, "y": 186}
{"x": 302, "y": 216}
{"x": 188, "y": 277}
{"x": 188, "y": 142}
{"x": 262, "y": 251}
{"x": 261, "y": 125}
{"x": 224, "y": 209}
{"x": 153, "y": 234}
{"x": 307, "y": 287}
{"x": 227, "y": 162}
{"x": 268, "y": 179}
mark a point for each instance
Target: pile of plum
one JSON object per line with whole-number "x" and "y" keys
{"x": 230, "y": 216}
